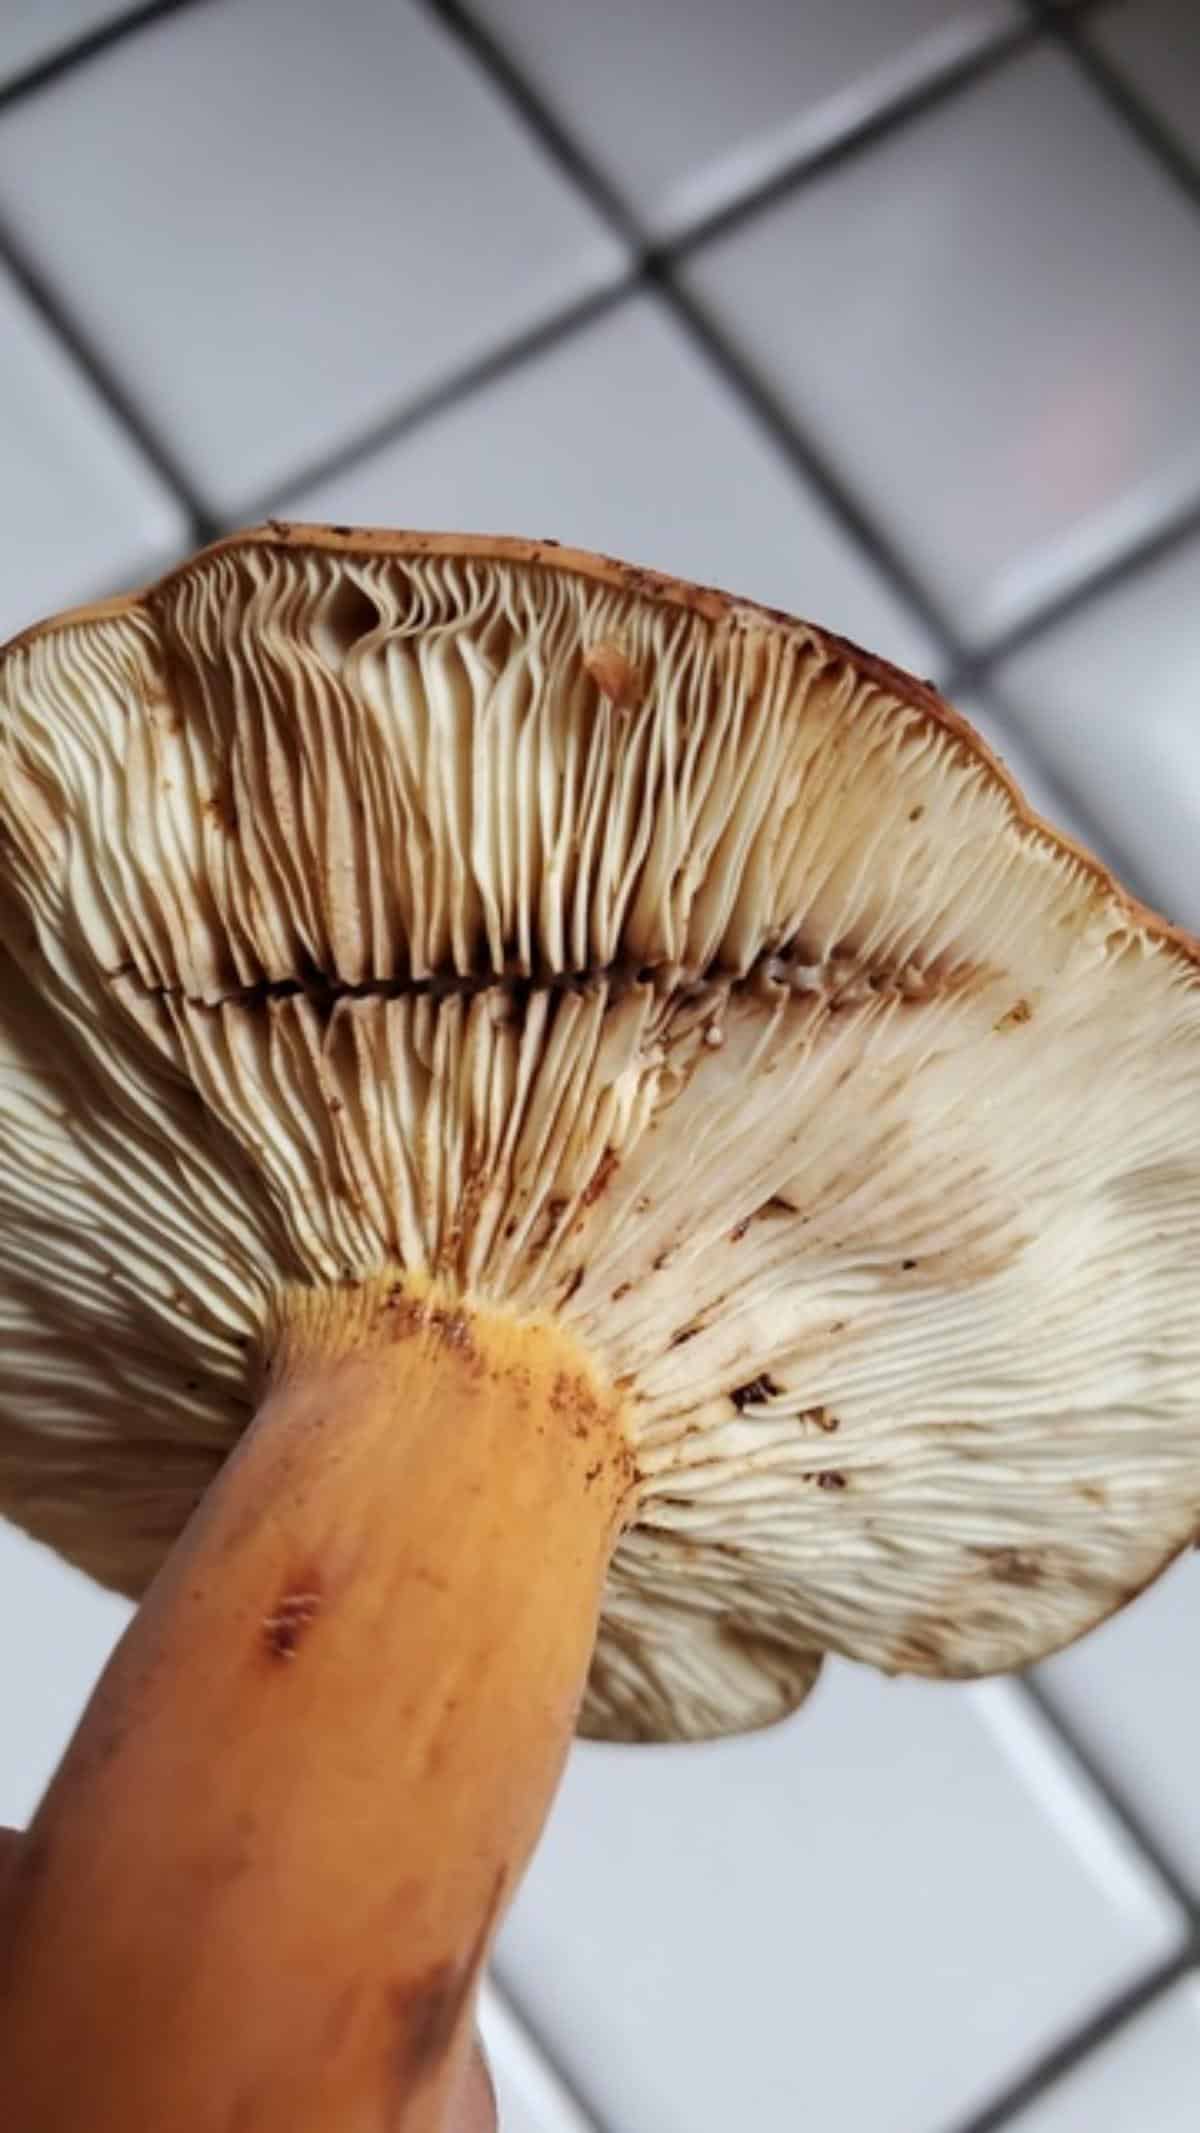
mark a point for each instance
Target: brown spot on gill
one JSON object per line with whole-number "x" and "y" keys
{"x": 298, "y": 1606}
{"x": 821, "y": 1418}
{"x": 688, "y": 1333}
{"x": 625, "y": 1466}
{"x": 920, "y": 1650}
{"x": 548, "y": 1224}
{"x": 917, "y": 986}
{"x": 601, "y": 1177}
{"x": 830, "y": 1480}
{"x": 223, "y": 806}
{"x": 614, "y": 674}
{"x": 471, "y": 1195}
{"x": 572, "y": 1286}
{"x": 1019, "y": 1012}
{"x": 1012, "y": 1566}
{"x": 1093, "y": 1492}
{"x": 755, "y": 1392}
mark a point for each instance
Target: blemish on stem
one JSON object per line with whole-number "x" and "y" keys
{"x": 286, "y": 1624}
{"x": 426, "y": 2010}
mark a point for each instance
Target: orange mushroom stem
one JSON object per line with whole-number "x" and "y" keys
{"x": 264, "y": 1882}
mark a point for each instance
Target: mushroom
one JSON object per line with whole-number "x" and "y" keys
{"x": 568, "y": 1146}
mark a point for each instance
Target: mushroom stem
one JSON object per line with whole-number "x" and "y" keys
{"x": 262, "y": 1886}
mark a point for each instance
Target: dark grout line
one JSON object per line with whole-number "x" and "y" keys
{"x": 940, "y": 87}
{"x": 800, "y": 453}
{"x": 1068, "y": 28}
{"x": 806, "y": 458}
{"x": 967, "y": 670}
{"x": 1140, "y": 556}
{"x": 1117, "y": 1802}
{"x": 45, "y": 73}
{"x": 968, "y": 667}
{"x": 488, "y": 370}
{"x": 202, "y": 525}
{"x": 541, "y": 121}
{"x": 911, "y": 104}
{"x": 1062, "y": 2058}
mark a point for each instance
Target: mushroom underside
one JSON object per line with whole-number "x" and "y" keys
{"x": 661, "y": 971}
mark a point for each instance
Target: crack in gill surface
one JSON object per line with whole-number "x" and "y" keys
{"x": 841, "y": 978}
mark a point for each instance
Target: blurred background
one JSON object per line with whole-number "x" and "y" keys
{"x": 883, "y": 311}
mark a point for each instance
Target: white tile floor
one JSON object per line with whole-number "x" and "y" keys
{"x": 1154, "y": 46}
{"x": 33, "y": 33}
{"x": 702, "y": 117}
{"x": 281, "y": 227}
{"x": 86, "y": 509}
{"x": 937, "y": 330}
{"x": 1112, "y": 698}
{"x": 1130, "y": 1693}
{"x": 532, "y": 2096}
{"x": 1143, "y": 2081}
{"x": 749, "y": 1933}
{"x": 298, "y": 245}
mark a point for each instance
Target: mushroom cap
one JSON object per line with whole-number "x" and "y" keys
{"x": 616, "y": 949}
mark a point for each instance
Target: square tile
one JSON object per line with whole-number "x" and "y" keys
{"x": 989, "y": 320}
{"x": 315, "y": 215}
{"x": 622, "y": 439}
{"x": 59, "y": 1631}
{"x": 1113, "y": 697}
{"x": 1156, "y": 45}
{"x": 82, "y": 511}
{"x": 530, "y": 2096}
{"x": 31, "y": 32}
{"x": 711, "y": 101}
{"x": 1146, "y": 2080}
{"x": 866, "y": 1917}
{"x": 1130, "y": 1692}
